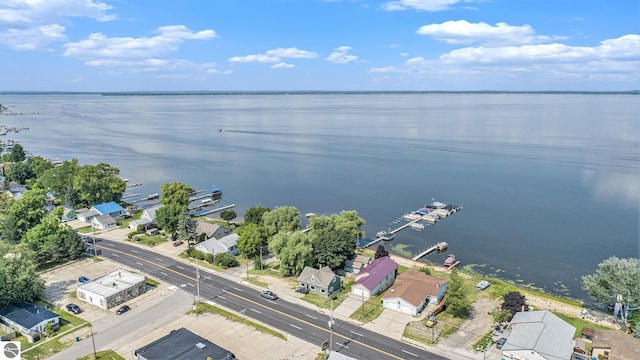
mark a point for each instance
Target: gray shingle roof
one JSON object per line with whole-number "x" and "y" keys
{"x": 542, "y": 332}
{"x": 27, "y": 315}
{"x": 317, "y": 277}
{"x": 183, "y": 344}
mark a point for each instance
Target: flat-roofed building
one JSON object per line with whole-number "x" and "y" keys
{"x": 112, "y": 289}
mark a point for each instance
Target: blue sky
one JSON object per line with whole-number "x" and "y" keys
{"x": 176, "y": 45}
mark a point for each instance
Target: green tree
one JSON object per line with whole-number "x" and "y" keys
{"x": 254, "y": 215}
{"x": 381, "y": 252}
{"x": 51, "y": 241}
{"x": 458, "y": 303}
{"x": 57, "y": 179}
{"x": 19, "y": 280}
{"x": 332, "y": 248}
{"x": 98, "y": 184}
{"x": 22, "y": 215}
{"x": 39, "y": 165}
{"x": 17, "y": 153}
{"x": 226, "y": 260}
{"x": 228, "y": 215}
{"x": 19, "y": 172}
{"x": 293, "y": 250}
{"x": 71, "y": 196}
{"x": 186, "y": 229}
{"x": 251, "y": 238}
{"x": 284, "y": 218}
{"x": 615, "y": 280}
{"x": 175, "y": 193}
{"x": 636, "y": 330}
{"x": 167, "y": 217}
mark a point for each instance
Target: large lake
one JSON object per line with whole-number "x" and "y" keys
{"x": 550, "y": 183}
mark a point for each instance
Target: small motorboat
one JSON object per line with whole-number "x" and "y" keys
{"x": 441, "y": 246}
{"x": 451, "y": 259}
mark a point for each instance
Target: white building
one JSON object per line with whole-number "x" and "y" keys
{"x": 112, "y": 289}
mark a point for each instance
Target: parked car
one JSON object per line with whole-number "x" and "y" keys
{"x": 74, "y": 308}
{"x": 500, "y": 343}
{"x": 123, "y": 309}
{"x": 302, "y": 290}
{"x": 432, "y": 321}
{"x": 178, "y": 243}
{"x": 268, "y": 294}
{"x": 83, "y": 279}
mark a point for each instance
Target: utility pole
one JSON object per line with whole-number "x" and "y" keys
{"x": 261, "y": 258}
{"x": 363, "y": 306}
{"x": 197, "y": 281}
{"x": 95, "y": 356}
{"x": 93, "y": 239}
{"x": 331, "y": 323}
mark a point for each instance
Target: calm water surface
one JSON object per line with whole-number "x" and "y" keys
{"x": 550, "y": 183}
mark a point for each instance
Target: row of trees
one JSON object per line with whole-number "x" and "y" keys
{"x": 329, "y": 241}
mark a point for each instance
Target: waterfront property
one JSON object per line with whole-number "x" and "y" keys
{"x": 103, "y": 222}
{"x": 29, "y": 319}
{"x": 321, "y": 281}
{"x": 354, "y": 266}
{"x": 412, "y": 291}
{"x": 614, "y": 345}
{"x": 112, "y": 289}
{"x": 225, "y": 245}
{"x": 538, "y": 335}
{"x": 182, "y": 344}
{"x": 110, "y": 208}
{"x": 375, "y": 277}
{"x": 146, "y": 218}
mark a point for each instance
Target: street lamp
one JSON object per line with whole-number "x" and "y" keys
{"x": 331, "y": 324}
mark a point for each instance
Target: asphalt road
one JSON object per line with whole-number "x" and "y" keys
{"x": 296, "y": 320}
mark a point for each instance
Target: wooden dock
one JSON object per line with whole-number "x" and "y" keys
{"x": 392, "y": 232}
{"x": 130, "y": 196}
{"x": 218, "y": 209}
{"x": 424, "y": 253}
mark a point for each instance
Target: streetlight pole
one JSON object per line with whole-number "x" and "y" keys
{"x": 95, "y": 356}
{"x": 93, "y": 239}
{"x": 331, "y": 323}
{"x": 197, "y": 280}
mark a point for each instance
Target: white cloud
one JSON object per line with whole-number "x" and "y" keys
{"x": 341, "y": 55}
{"x": 464, "y": 32}
{"x": 291, "y": 53}
{"x": 386, "y": 69}
{"x": 259, "y": 58}
{"x": 100, "y": 46}
{"x": 282, "y": 65}
{"x": 422, "y": 5}
{"x": 34, "y": 24}
{"x": 613, "y": 59}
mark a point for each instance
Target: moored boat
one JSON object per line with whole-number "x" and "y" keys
{"x": 450, "y": 260}
{"x": 417, "y": 226}
{"x": 441, "y": 246}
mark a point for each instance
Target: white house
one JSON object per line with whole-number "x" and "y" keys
{"x": 147, "y": 217}
{"x": 412, "y": 291}
{"x": 112, "y": 289}
{"x": 103, "y": 222}
{"x": 375, "y": 277}
{"x": 110, "y": 208}
{"x": 538, "y": 335}
{"x": 226, "y": 244}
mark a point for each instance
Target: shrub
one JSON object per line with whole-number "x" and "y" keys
{"x": 208, "y": 258}
{"x": 226, "y": 261}
{"x": 425, "y": 270}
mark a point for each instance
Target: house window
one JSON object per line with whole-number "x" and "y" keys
{"x": 313, "y": 287}
{"x": 101, "y": 302}
{"x": 323, "y": 290}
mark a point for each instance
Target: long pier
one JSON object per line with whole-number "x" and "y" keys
{"x": 392, "y": 232}
{"x": 424, "y": 253}
{"x": 218, "y": 209}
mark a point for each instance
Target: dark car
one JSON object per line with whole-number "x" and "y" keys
{"x": 178, "y": 243}
{"x": 74, "y": 308}
{"x": 123, "y": 309}
{"x": 500, "y": 343}
{"x": 268, "y": 294}
{"x": 83, "y": 279}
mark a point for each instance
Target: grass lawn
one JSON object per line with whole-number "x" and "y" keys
{"x": 103, "y": 355}
{"x": 579, "y": 323}
{"x": 323, "y": 302}
{"x": 151, "y": 241}
{"x": 370, "y": 310}
{"x": 206, "y": 308}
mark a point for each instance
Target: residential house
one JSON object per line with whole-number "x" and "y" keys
{"x": 615, "y": 345}
{"x": 87, "y": 216}
{"x": 412, "y": 291}
{"x": 112, "y": 289}
{"x": 68, "y": 213}
{"x": 147, "y": 217}
{"x": 110, "y": 208}
{"x": 208, "y": 229}
{"x": 538, "y": 335}
{"x": 375, "y": 278}
{"x": 16, "y": 190}
{"x": 354, "y": 266}
{"x": 221, "y": 232}
{"x": 29, "y": 319}
{"x": 103, "y": 222}
{"x": 321, "y": 281}
{"x": 227, "y": 244}
{"x": 183, "y": 344}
